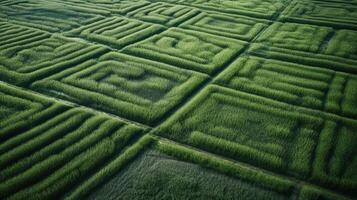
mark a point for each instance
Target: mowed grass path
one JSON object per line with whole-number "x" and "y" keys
{"x": 178, "y": 99}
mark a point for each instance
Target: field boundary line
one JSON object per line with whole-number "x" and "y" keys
{"x": 298, "y": 182}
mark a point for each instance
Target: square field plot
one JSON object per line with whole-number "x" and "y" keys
{"x": 160, "y": 174}
{"x": 335, "y": 14}
{"x": 116, "y": 32}
{"x": 49, "y": 16}
{"x": 163, "y": 13}
{"x": 115, "y": 7}
{"x": 188, "y": 49}
{"x": 45, "y": 151}
{"x": 310, "y": 45}
{"x": 301, "y": 85}
{"x": 129, "y": 87}
{"x": 167, "y": 170}
{"x": 269, "y": 134}
{"x": 294, "y": 36}
{"x": 27, "y": 54}
{"x": 236, "y": 27}
{"x": 254, "y": 8}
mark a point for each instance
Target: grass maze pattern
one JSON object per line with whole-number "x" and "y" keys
{"x": 188, "y": 49}
{"x": 300, "y": 85}
{"x": 27, "y": 54}
{"x": 178, "y": 99}
{"x": 162, "y": 13}
{"x": 118, "y": 7}
{"x": 253, "y": 8}
{"x": 137, "y": 89}
{"x": 116, "y": 32}
{"x": 242, "y": 28}
{"x": 337, "y": 15}
{"x": 268, "y": 134}
{"x": 310, "y": 45}
{"x": 60, "y": 148}
{"x": 50, "y": 16}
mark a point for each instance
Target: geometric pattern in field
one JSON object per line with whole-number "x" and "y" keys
{"x": 270, "y": 135}
{"x": 27, "y": 54}
{"x": 237, "y": 27}
{"x": 253, "y": 8}
{"x": 337, "y": 15}
{"x": 16, "y": 108}
{"x": 188, "y": 49}
{"x": 157, "y": 174}
{"x": 136, "y": 89}
{"x": 54, "y": 149}
{"x": 162, "y": 13}
{"x": 294, "y": 36}
{"x": 178, "y": 99}
{"x": 49, "y": 16}
{"x": 116, "y": 31}
{"x": 309, "y": 44}
{"x": 295, "y": 84}
{"x": 104, "y": 7}
{"x": 343, "y": 44}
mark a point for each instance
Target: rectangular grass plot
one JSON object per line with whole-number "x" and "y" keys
{"x": 237, "y": 27}
{"x": 301, "y": 85}
{"x": 162, "y": 13}
{"x": 343, "y": 44}
{"x": 188, "y": 49}
{"x": 335, "y": 14}
{"x": 120, "y": 7}
{"x": 159, "y": 175}
{"x": 301, "y": 37}
{"x": 265, "y": 133}
{"x": 130, "y": 87}
{"x": 27, "y": 54}
{"x": 50, "y": 16}
{"x": 47, "y": 147}
{"x": 116, "y": 31}
{"x": 254, "y": 8}
{"x": 309, "y": 45}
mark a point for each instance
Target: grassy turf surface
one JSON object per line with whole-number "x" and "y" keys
{"x": 178, "y": 99}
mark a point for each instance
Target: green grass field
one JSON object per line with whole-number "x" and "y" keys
{"x": 178, "y": 99}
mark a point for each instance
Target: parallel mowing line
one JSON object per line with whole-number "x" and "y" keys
{"x": 89, "y": 158}
{"x": 46, "y": 167}
{"x": 39, "y": 142}
{"x": 67, "y": 139}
